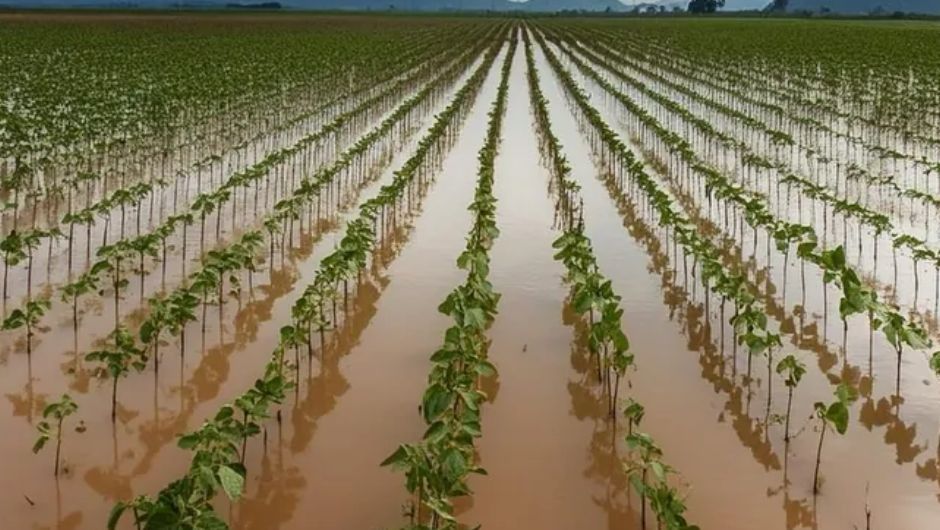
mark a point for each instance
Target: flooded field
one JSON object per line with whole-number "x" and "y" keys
{"x": 539, "y": 273}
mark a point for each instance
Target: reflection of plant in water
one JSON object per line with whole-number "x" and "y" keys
{"x": 605, "y": 466}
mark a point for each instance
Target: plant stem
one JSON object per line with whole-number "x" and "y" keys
{"x": 58, "y": 446}
{"x": 822, "y": 436}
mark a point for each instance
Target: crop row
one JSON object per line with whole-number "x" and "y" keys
{"x": 749, "y": 322}
{"x": 224, "y": 262}
{"x": 592, "y": 295}
{"x": 856, "y": 297}
{"x": 218, "y": 446}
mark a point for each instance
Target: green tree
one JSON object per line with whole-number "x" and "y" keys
{"x": 705, "y": 6}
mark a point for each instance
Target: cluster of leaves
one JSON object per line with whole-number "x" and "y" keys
{"x": 218, "y": 459}
{"x": 437, "y": 468}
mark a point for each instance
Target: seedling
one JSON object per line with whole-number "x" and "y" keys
{"x": 117, "y": 361}
{"x": 792, "y": 370}
{"x": 55, "y": 413}
{"x": 834, "y": 415}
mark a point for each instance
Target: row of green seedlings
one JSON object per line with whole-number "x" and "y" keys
{"x": 219, "y": 446}
{"x": 117, "y": 363}
{"x": 924, "y": 166}
{"x": 13, "y": 245}
{"x": 18, "y": 246}
{"x": 171, "y": 313}
{"x": 866, "y": 180}
{"x": 857, "y": 298}
{"x": 24, "y": 175}
{"x": 437, "y": 467}
{"x": 879, "y": 223}
{"x": 220, "y": 263}
{"x": 749, "y": 322}
{"x": 786, "y": 100}
{"x": 593, "y": 297}
{"x": 318, "y": 304}
{"x": 604, "y": 44}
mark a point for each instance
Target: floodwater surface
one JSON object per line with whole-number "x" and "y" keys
{"x": 554, "y": 460}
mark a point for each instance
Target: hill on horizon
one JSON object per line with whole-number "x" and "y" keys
{"x": 868, "y": 6}
{"x": 417, "y": 5}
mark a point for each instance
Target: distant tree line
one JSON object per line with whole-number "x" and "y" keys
{"x": 705, "y": 6}
{"x": 260, "y": 5}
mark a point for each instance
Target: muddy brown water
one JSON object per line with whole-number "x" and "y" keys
{"x": 553, "y": 460}
{"x": 140, "y": 455}
{"x": 371, "y": 406}
{"x": 879, "y": 444}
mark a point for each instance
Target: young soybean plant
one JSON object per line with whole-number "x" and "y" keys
{"x": 118, "y": 360}
{"x": 793, "y": 371}
{"x": 57, "y": 412}
{"x": 835, "y": 415}
{"x": 29, "y": 317}
{"x": 634, "y": 413}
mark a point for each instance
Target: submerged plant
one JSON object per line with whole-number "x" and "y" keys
{"x": 634, "y": 413}
{"x": 117, "y": 361}
{"x": 792, "y": 370}
{"x": 51, "y": 426}
{"x": 28, "y": 316}
{"x": 835, "y": 416}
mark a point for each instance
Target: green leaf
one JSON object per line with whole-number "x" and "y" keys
{"x": 116, "y": 512}
{"x": 846, "y": 394}
{"x": 485, "y": 369}
{"x": 146, "y": 331}
{"x": 475, "y": 317}
{"x": 397, "y": 458}
{"x": 454, "y": 463}
{"x": 838, "y": 415}
{"x": 658, "y": 470}
{"x": 232, "y": 482}
{"x": 188, "y": 441}
{"x": 40, "y": 443}
{"x": 437, "y": 399}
